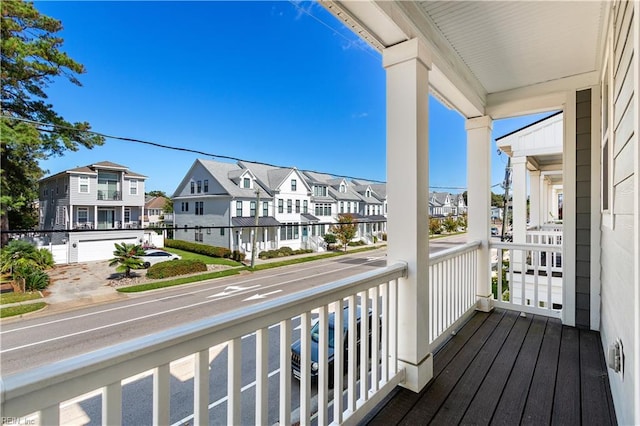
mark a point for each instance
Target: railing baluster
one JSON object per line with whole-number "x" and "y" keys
{"x": 201, "y": 388}
{"x": 161, "y": 394}
{"x": 523, "y": 275}
{"x": 305, "y": 368}
{"x": 375, "y": 339}
{"x": 385, "y": 332}
{"x": 49, "y": 416}
{"x": 262, "y": 378}
{"x": 393, "y": 329}
{"x": 364, "y": 345}
{"x": 352, "y": 355}
{"x": 234, "y": 380}
{"x": 112, "y": 404}
{"x": 323, "y": 368}
{"x": 549, "y": 279}
{"x": 285, "y": 372}
{"x": 338, "y": 361}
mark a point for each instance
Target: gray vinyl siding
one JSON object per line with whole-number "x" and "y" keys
{"x": 583, "y": 209}
{"x": 216, "y": 213}
{"x": 618, "y": 258}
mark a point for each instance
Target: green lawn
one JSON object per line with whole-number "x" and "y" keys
{"x": 207, "y": 260}
{"x": 20, "y": 310}
{"x": 286, "y": 262}
{"x": 6, "y": 298}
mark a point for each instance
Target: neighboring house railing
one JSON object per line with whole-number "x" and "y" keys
{"x": 43, "y": 389}
{"x": 452, "y": 289}
{"x": 529, "y": 278}
{"x": 109, "y": 195}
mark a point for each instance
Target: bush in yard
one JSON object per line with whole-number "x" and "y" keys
{"x": 357, "y": 243}
{"x": 450, "y": 224}
{"x": 205, "y": 249}
{"x": 26, "y": 264}
{"x": 435, "y": 226}
{"x": 238, "y": 256}
{"x": 281, "y": 252}
{"x": 35, "y": 279}
{"x": 174, "y": 268}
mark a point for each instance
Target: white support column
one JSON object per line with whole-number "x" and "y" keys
{"x": 95, "y": 217}
{"x": 407, "y": 65}
{"x": 122, "y": 217}
{"x": 479, "y": 201}
{"x": 534, "y": 194}
{"x": 519, "y": 173}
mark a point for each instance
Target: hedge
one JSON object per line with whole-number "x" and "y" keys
{"x": 173, "y": 268}
{"x": 281, "y": 252}
{"x": 205, "y": 249}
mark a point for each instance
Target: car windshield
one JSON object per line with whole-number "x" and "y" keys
{"x": 315, "y": 333}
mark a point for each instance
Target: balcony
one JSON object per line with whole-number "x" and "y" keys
{"x": 109, "y": 195}
{"x": 488, "y": 366}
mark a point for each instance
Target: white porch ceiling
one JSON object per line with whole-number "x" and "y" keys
{"x": 491, "y": 57}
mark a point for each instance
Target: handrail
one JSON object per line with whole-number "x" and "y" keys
{"x": 525, "y": 247}
{"x": 453, "y": 252}
{"x": 43, "y": 387}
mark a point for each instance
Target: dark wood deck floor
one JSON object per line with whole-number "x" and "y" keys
{"x": 505, "y": 369}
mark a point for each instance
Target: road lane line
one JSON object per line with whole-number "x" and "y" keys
{"x": 53, "y": 339}
{"x": 75, "y": 317}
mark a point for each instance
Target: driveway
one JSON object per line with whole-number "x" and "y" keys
{"x": 81, "y": 283}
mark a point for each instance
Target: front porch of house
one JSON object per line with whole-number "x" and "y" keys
{"x": 509, "y": 368}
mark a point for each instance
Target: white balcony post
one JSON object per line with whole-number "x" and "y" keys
{"x": 407, "y": 65}
{"x": 479, "y": 201}
{"x": 519, "y": 182}
{"x": 534, "y": 206}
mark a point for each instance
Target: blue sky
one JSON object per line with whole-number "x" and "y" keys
{"x": 277, "y": 82}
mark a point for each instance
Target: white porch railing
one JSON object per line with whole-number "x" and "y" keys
{"x": 529, "y": 278}
{"x": 42, "y": 390}
{"x": 452, "y": 289}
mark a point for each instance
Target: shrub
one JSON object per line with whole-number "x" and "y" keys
{"x": 281, "y": 252}
{"x": 238, "y": 256}
{"x": 175, "y": 267}
{"x": 330, "y": 239}
{"x": 357, "y": 243}
{"x": 435, "y": 226}
{"x": 205, "y": 249}
{"x": 35, "y": 280}
{"x": 384, "y": 236}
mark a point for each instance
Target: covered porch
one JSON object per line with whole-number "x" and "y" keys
{"x": 520, "y": 58}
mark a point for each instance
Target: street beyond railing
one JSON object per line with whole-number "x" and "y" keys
{"x": 42, "y": 390}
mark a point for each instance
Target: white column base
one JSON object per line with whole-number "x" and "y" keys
{"x": 484, "y": 303}
{"x": 417, "y": 376}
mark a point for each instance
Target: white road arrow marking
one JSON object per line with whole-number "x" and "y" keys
{"x": 261, "y": 296}
{"x": 233, "y": 289}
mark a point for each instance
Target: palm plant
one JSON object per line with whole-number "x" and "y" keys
{"x": 127, "y": 258}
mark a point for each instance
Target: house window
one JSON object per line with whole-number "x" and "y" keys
{"x": 341, "y": 206}
{"x": 368, "y": 193}
{"x": 127, "y": 215}
{"x": 349, "y": 207}
{"x": 199, "y": 208}
{"x": 252, "y": 209}
{"x": 289, "y": 206}
{"x": 280, "y": 206}
{"x": 198, "y": 234}
{"x": 294, "y": 185}
{"x": 133, "y": 187}
{"x": 184, "y": 206}
{"x": 199, "y": 186}
{"x": 297, "y": 206}
{"x": 238, "y": 208}
{"x": 265, "y": 208}
{"x": 83, "y": 182}
{"x": 83, "y": 215}
{"x": 222, "y": 232}
{"x": 206, "y": 185}
{"x": 193, "y": 187}
{"x": 343, "y": 187}
{"x": 305, "y": 206}
{"x": 320, "y": 191}
{"x": 246, "y": 183}
{"x": 289, "y": 231}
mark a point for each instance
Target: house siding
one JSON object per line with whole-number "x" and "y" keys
{"x": 619, "y": 261}
{"x": 583, "y": 208}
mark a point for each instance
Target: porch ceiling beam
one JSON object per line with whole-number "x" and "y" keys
{"x": 547, "y": 96}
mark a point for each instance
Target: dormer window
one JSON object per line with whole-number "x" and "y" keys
{"x": 343, "y": 188}
{"x": 320, "y": 191}
{"x": 246, "y": 182}
{"x": 368, "y": 193}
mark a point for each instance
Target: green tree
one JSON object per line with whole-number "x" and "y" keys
{"x": 127, "y": 258}
{"x": 497, "y": 200}
{"x": 450, "y": 224}
{"x": 345, "y": 230}
{"x": 435, "y": 226}
{"x": 157, "y": 194}
{"x": 168, "y": 206}
{"x": 31, "y": 59}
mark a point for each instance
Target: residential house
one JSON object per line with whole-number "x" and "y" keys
{"x": 85, "y": 201}
{"x": 524, "y": 359}
{"x": 370, "y": 216}
{"x": 155, "y": 215}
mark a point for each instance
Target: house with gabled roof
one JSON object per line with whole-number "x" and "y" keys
{"x": 87, "y": 200}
